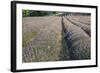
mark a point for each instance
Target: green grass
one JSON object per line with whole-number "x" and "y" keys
{"x": 27, "y": 38}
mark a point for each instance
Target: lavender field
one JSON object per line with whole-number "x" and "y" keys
{"x": 56, "y": 37}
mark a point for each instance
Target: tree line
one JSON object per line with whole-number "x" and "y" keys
{"x": 29, "y": 13}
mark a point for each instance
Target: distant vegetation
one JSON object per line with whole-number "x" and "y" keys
{"x": 29, "y": 13}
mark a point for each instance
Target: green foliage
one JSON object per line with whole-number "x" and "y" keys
{"x": 29, "y": 13}
{"x": 26, "y": 13}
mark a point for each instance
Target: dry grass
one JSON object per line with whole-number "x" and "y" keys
{"x": 46, "y": 45}
{"x": 27, "y": 37}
